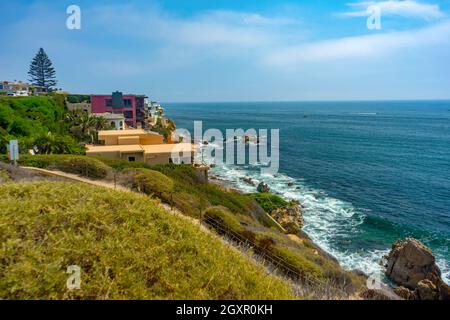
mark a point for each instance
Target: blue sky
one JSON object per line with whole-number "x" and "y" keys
{"x": 224, "y": 50}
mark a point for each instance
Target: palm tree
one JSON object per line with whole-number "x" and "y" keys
{"x": 100, "y": 123}
{"x": 85, "y": 126}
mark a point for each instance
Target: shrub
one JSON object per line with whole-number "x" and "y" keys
{"x": 78, "y": 98}
{"x": 122, "y": 164}
{"x": 81, "y": 165}
{"x": 189, "y": 204}
{"x": 153, "y": 182}
{"x": 269, "y": 201}
{"x": 225, "y": 218}
{"x": 126, "y": 247}
{"x": 298, "y": 262}
{"x": 4, "y": 176}
{"x": 84, "y": 166}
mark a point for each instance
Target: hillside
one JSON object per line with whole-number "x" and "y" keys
{"x": 126, "y": 246}
{"x": 318, "y": 273}
{"x": 36, "y": 121}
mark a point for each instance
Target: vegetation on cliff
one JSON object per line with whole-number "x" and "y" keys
{"x": 181, "y": 187}
{"x": 126, "y": 247}
{"x": 44, "y": 124}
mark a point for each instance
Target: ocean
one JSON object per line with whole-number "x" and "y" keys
{"x": 366, "y": 173}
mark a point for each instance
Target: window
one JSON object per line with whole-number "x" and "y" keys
{"x": 108, "y": 102}
{"x": 127, "y": 102}
{"x": 128, "y": 114}
{"x": 132, "y": 159}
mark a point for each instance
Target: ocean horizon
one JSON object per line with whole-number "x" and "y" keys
{"x": 367, "y": 173}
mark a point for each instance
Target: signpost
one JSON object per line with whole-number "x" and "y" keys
{"x": 13, "y": 151}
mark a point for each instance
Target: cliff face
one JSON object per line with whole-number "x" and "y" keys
{"x": 412, "y": 266}
{"x": 289, "y": 217}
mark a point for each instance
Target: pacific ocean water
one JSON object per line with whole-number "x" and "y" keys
{"x": 367, "y": 173}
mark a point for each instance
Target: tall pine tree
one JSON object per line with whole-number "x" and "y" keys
{"x": 41, "y": 71}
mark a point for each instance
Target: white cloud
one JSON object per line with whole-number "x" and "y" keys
{"x": 360, "y": 47}
{"x": 212, "y": 28}
{"x": 216, "y": 36}
{"x": 404, "y": 8}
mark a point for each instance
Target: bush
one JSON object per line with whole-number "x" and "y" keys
{"x": 126, "y": 247}
{"x": 269, "y": 201}
{"x": 298, "y": 262}
{"x": 82, "y": 165}
{"x": 224, "y": 217}
{"x": 189, "y": 204}
{"x": 153, "y": 182}
{"x": 32, "y": 116}
{"x": 78, "y": 98}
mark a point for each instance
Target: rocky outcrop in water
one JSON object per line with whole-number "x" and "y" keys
{"x": 289, "y": 217}
{"x": 248, "y": 180}
{"x": 263, "y": 187}
{"x": 412, "y": 266}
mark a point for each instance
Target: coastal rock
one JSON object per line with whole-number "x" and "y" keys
{"x": 263, "y": 187}
{"x": 289, "y": 217}
{"x": 251, "y": 138}
{"x": 409, "y": 262}
{"x": 427, "y": 290}
{"x": 412, "y": 265}
{"x": 248, "y": 180}
{"x": 371, "y": 294}
{"x": 405, "y": 293}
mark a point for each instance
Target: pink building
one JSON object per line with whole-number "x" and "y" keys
{"x": 130, "y": 105}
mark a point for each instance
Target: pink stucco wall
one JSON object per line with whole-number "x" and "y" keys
{"x": 98, "y": 103}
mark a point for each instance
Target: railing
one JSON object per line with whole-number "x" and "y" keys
{"x": 328, "y": 289}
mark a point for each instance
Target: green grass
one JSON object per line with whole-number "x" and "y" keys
{"x": 4, "y": 176}
{"x": 244, "y": 214}
{"x": 82, "y": 165}
{"x": 30, "y": 119}
{"x": 127, "y": 248}
{"x": 269, "y": 201}
{"x": 223, "y": 216}
{"x": 153, "y": 183}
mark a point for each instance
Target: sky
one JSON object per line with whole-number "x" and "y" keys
{"x": 229, "y": 50}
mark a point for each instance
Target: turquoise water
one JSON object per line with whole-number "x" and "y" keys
{"x": 367, "y": 173}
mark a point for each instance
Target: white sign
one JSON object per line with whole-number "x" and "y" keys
{"x": 13, "y": 150}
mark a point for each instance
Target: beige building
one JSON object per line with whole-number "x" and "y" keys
{"x": 140, "y": 145}
{"x": 115, "y": 120}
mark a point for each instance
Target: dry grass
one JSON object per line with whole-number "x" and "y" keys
{"x": 126, "y": 246}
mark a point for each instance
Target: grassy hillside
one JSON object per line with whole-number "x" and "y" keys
{"x": 36, "y": 121}
{"x": 126, "y": 247}
{"x": 180, "y": 186}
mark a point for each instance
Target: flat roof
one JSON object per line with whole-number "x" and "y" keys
{"x": 123, "y": 95}
{"x": 126, "y": 132}
{"x": 147, "y": 149}
{"x": 116, "y": 148}
{"x": 168, "y": 148}
{"x": 110, "y": 116}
